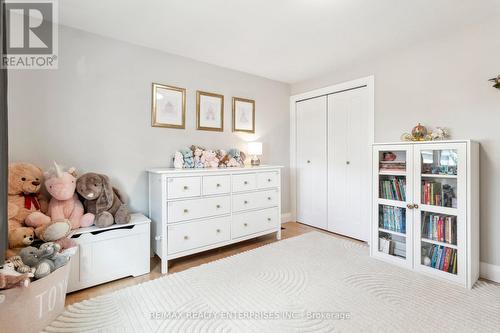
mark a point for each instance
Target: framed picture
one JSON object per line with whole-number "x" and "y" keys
{"x": 209, "y": 111}
{"x": 168, "y": 106}
{"x": 243, "y": 115}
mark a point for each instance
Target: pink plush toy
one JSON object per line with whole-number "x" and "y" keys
{"x": 209, "y": 159}
{"x": 64, "y": 203}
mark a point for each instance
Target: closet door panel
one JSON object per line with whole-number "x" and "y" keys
{"x": 311, "y": 162}
{"x": 349, "y": 164}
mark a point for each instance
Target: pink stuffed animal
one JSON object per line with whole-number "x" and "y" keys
{"x": 209, "y": 159}
{"x": 65, "y": 203}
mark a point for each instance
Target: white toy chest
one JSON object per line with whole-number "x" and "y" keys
{"x": 114, "y": 252}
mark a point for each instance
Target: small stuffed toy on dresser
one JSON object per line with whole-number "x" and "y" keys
{"x": 102, "y": 200}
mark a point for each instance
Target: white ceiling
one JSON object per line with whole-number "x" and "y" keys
{"x": 285, "y": 40}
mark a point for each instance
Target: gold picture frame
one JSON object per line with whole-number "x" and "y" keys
{"x": 240, "y": 117}
{"x": 171, "y": 111}
{"x": 208, "y": 118}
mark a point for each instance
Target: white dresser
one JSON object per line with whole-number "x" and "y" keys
{"x": 194, "y": 210}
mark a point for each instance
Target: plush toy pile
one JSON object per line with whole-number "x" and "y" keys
{"x": 38, "y": 227}
{"x": 199, "y": 157}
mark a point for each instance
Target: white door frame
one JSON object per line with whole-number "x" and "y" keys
{"x": 368, "y": 82}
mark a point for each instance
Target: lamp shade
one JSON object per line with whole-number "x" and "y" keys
{"x": 255, "y": 148}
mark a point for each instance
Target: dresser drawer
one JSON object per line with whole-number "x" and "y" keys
{"x": 244, "y": 182}
{"x": 216, "y": 185}
{"x": 268, "y": 179}
{"x": 198, "y": 208}
{"x": 192, "y": 235}
{"x": 255, "y": 200}
{"x": 183, "y": 187}
{"x": 248, "y": 223}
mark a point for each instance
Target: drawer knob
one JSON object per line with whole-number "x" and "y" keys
{"x": 269, "y": 219}
{"x": 185, "y": 187}
{"x": 186, "y": 237}
{"x": 268, "y": 198}
{"x": 245, "y": 182}
{"x": 218, "y": 185}
{"x": 245, "y": 224}
{"x": 218, "y": 231}
{"x": 245, "y": 202}
{"x": 218, "y": 206}
{"x": 269, "y": 180}
{"x": 185, "y": 210}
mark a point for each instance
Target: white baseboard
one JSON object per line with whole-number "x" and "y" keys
{"x": 490, "y": 272}
{"x": 286, "y": 217}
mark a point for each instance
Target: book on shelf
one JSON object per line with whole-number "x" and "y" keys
{"x": 393, "y": 188}
{"x": 388, "y": 166}
{"x": 438, "y": 194}
{"x": 393, "y": 219}
{"x": 440, "y": 228}
{"x": 443, "y": 258}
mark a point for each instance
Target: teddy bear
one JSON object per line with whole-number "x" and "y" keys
{"x": 64, "y": 204}
{"x": 209, "y": 159}
{"x": 45, "y": 259}
{"x": 178, "y": 160}
{"x": 222, "y": 157}
{"x": 187, "y": 154}
{"x": 19, "y": 238}
{"x": 102, "y": 200}
{"x": 26, "y": 207}
{"x": 236, "y": 158}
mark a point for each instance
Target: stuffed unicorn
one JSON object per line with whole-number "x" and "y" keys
{"x": 209, "y": 159}
{"x": 64, "y": 203}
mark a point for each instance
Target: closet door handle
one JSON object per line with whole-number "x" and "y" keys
{"x": 410, "y": 206}
{"x": 415, "y": 206}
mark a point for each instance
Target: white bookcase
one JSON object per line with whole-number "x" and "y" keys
{"x": 426, "y": 208}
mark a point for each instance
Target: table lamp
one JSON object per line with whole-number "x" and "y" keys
{"x": 255, "y": 149}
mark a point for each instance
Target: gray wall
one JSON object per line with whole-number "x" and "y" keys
{"x": 94, "y": 112}
{"x": 442, "y": 83}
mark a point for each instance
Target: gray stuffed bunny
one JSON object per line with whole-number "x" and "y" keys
{"x": 45, "y": 260}
{"x": 102, "y": 200}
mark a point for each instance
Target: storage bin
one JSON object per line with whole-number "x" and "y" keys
{"x": 107, "y": 254}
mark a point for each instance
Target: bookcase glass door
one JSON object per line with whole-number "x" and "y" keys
{"x": 440, "y": 190}
{"x": 393, "y": 229}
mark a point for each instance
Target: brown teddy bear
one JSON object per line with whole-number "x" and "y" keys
{"x": 26, "y": 207}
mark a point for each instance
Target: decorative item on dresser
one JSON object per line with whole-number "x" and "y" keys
{"x": 255, "y": 149}
{"x": 194, "y": 210}
{"x": 426, "y": 208}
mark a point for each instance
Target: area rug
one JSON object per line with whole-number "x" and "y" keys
{"x": 310, "y": 283}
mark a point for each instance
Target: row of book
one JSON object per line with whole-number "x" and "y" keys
{"x": 438, "y": 194}
{"x": 440, "y": 228}
{"x": 393, "y": 188}
{"x": 443, "y": 258}
{"x": 392, "y": 246}
{"x": 392, "y": 166}
{"x": 393, "y": 218}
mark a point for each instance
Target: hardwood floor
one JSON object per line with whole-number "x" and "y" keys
{"x": 292, "y": 229}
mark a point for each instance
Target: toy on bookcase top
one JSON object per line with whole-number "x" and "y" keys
{"x": 421, "y": 133}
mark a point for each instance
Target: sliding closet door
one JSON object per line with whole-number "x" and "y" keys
{"x": 311, "y": 162}
{"x": 349, "y": 164}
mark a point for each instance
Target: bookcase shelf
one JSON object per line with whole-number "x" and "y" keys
{"x": 392, "y": 232}
{"x": 430, "y": 241}
{"x": 433, "y": 225}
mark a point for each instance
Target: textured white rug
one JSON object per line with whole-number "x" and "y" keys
{"x": 310, "y": 283}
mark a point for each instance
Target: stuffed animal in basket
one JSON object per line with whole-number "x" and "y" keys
{"x": 103, "y": 200}
{"x": 12, "y": 281}
{"x": 19, "y": 238}
{"x": 45, "y": 260}
{"x": 26, "y": 208}
{"x": 64, "y": 203}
